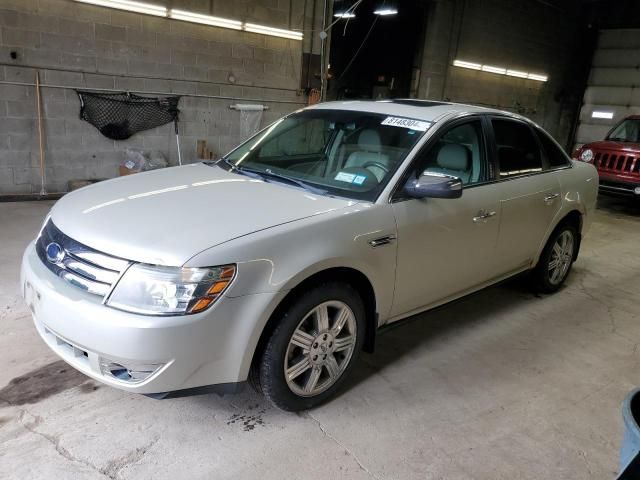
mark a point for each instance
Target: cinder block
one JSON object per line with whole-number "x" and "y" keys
{"x": 77, "y": 28}
{"x": 99, "y": 81}
{"x": 241, "y": 51}
{"x": 13, "y": 92}
{"x": 16, "y": 125}
{"x": 110, "y": 32}
{"x": 21, "y": 109}
{"x": 111, "y": 66}
{"x": 138, "y": 36}
{"x": 182, "y": 57}
{"x": 43, "y": 57}
{"x": 19, "y": 74}
{"x": 66, "y": 79}
{"x": 195, "y": 73}
{"x": 6, "y": 176}
{"x": 79, "y": 62}
{"x": 20, "y": 38}
{"x": 19, "y": 142}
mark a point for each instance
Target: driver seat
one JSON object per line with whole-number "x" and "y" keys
{"x": 369, "y": 150}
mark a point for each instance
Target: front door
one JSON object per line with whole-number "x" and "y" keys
{"x": 446, "y": 246}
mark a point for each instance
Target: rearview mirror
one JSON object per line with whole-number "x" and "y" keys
{"x": 434, "y": 185}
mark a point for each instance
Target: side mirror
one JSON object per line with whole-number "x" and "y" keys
{"x": 434, "y": 185}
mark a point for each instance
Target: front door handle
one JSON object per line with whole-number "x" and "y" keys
{"x": 551, "y": 198}
{"x": 482, "y": 216}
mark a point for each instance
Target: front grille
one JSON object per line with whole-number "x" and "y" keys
{"x": 617, "y": 163}
{"x": 77, "y": 264}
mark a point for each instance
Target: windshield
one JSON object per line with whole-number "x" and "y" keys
{"x": 627, "y": 131}
{"x": 344, "y": 153}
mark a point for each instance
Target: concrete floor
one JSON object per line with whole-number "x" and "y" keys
{"x": 503, "y": 384}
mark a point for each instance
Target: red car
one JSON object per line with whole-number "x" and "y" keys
{"x": 617, "y": 158}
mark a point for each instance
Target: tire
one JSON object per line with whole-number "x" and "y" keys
{"x": 561, "y": 249}
{"x": 319, "y": 356}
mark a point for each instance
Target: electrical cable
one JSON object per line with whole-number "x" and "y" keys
{"x": 373, "y": 24}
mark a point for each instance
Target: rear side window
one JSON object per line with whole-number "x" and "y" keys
{"x": 555, "y": 156}
{"x": 518, "y": 152}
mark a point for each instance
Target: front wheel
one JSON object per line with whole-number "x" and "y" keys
{"x": 313, "y": 347}
{"x": 556, "y": 259}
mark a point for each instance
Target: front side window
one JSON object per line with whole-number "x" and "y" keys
{"x": 345, "y": 153}
{"x": 459, "y": 152}
{"x": 517, "y": 149}
{"x": 627, "y": 131}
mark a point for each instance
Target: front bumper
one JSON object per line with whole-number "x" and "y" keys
{"x": 212, "y": 347}
{"x": 613, "y": 185}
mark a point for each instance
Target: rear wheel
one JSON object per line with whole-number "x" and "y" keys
{"x": 556, "y": 259}
{"x": 313, "y": 347}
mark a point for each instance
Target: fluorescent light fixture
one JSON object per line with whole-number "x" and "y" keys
{"x": 205, "y": 19}
{"x": 500, "y": 70}
{"x": 138, "y": 7}
{"x": 344, "y": 15}
{"x": 276, "y": 32}
{"x": 463, "y": 64}
{"x": 601, "y": 114}
{"x": 184, "y": 15}
{"x": 386, "y": 11}
{"x": 535, "y": 76}
{"x": 517, "y": 73}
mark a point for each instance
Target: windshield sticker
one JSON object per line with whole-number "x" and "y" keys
{"x": 345, "y": 177}
{"x": 359, "y": 180}
{"x": 406, "y": 123}
{"x": 350, "y": 178}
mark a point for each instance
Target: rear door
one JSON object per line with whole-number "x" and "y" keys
{"x": 530, "y": 193}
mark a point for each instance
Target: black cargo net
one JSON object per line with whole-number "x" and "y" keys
{"x": 120, "y": 115}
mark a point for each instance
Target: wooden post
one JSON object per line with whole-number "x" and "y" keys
{"x": 43, "y": 190}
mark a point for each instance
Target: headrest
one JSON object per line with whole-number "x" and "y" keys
{"x": 453, "y": 157}
{"x": 370, "y": 140}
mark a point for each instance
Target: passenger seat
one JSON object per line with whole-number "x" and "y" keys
{"x": 455, "y": 160}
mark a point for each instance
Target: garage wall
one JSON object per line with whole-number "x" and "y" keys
{"x": 77, "y": 45}
{"x": 530, "y": 35}
{"x": 614, "y": 83}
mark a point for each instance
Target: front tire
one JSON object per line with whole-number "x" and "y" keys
{"x": 313, "y": 347}
{"x": 556, "y": 259}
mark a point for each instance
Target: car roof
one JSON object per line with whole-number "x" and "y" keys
{"x": 427, "y": 110}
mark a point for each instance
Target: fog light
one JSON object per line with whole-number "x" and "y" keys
{"x": 131, "y": 372}
{"x": 637, "y": 190}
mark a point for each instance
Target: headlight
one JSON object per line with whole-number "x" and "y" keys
{"x": 586, "y": 155}
{"x": 155, "y": 290}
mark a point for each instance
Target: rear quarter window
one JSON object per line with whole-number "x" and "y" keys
{"x": 556, "y": 158}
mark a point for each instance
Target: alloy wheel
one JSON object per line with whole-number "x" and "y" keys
{"x": 320, "y": 348}
{"x": 561, "y": 257}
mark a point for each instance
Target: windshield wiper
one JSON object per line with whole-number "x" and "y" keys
{"x": 294, "y": 181}
{"x": 266, "y": 174}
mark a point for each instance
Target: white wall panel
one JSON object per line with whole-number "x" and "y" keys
{"x": 614, "y": 83}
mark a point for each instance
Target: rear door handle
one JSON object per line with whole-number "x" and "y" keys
{"x": 482, "y": 216}
{"x": 551, "y": 198}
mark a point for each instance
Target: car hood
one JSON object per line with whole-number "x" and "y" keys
{"x": 612, "y": 145}
{"x": 167, "y": 216}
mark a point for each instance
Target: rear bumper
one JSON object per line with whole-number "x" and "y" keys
{"x": 210, "y": 348}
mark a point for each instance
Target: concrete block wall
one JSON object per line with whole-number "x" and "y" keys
{"x": 76, "y": 45}
{"x": 530, "y": 35}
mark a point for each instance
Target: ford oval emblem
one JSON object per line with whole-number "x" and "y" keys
{"x": 55, "y": 253}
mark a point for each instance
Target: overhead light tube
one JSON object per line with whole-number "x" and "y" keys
{"x": 131, "y": 6}
{"x": 275, "y": 32}
{"x": 204, "y": 19}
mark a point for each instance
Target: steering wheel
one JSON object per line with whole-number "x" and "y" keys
{"x": 380, "y": 165}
